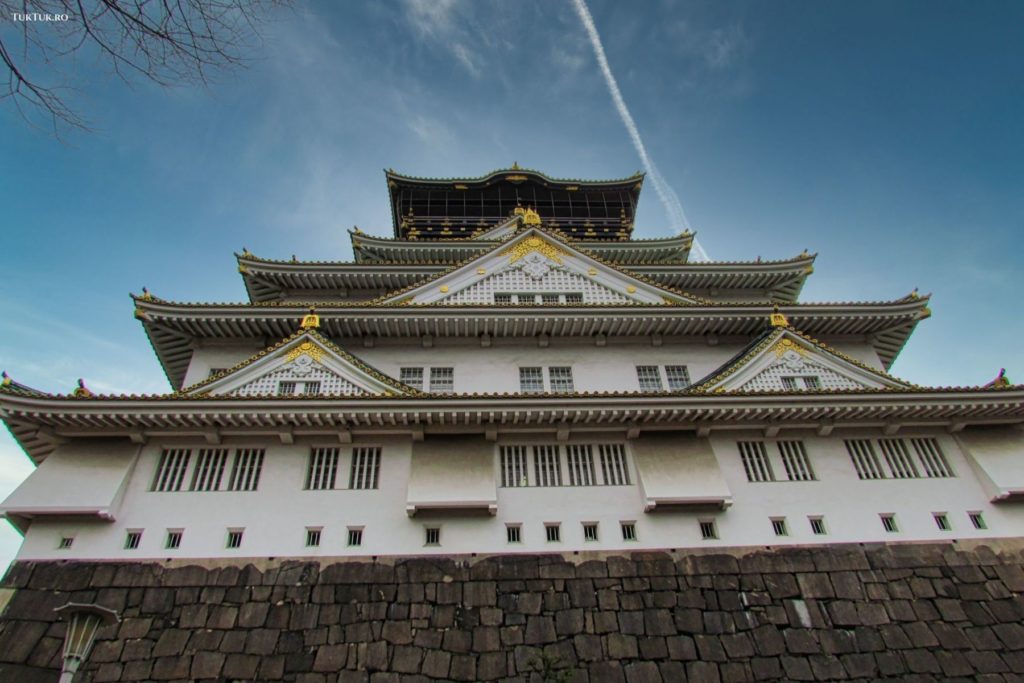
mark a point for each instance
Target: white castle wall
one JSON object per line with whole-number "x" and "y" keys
{"x": 275, "y": 516}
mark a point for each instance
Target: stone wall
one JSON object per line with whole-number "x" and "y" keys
{"x": 921, "y": 612}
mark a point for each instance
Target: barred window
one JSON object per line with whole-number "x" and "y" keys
{"x": 977, "y": 520}
{"x": 932, "y": 458}
{"x": 547, "y": 466}
{"x": 708, "y": 530}
{"x": 355, "y": 536}
{"x": 531, "y": 380}
{"x": 553, "y": 532}
{"x": 628, "y": 531}
{"x": 245, "y": 472}
{"x": 811, "y": 383}
{"x": 779, "y": 526}
{"x": 170, "y": 471}
{"x": 889, "y": 523}
{"x": 788, "y": 383}
{"x": 173, "y": 539}
{"x": 755, "y": 461}
{"x": 795, "y": 461}
{"x": 365, "y": 468}
{"x": 548, "y": 299}
{"x": 132, "y": 539}
{"x": 313, "y": 536}
{"x": 526, "y": 298}
{"x": 234, "y": 538}
{"x": 613, "y": 464}
{"x": 897, "y": 457}
{"x": 311, "y": 388}
{"x": 574, "y": 298}
{"x": 411, "y": 376}
{"x": 581, "y": 465}
{"x": 590, "y": 531}
{"x": 209, "y": 469}
{"x": 678, "y": 377}
{"x": 561, "y": 379}
{"x": 442, "y": 379}
{"x": 502, "y": 298}
{"x": 942, "y": 521}
{"x": 864, "y": 459}
{"x": 433, "y": 535}
{"x": 817, "y": 525}
{"x": 649, "y": 377}
{"x": 806, "y": 383}
{"x": 322, "y": 472}
{"x": 65, "y": 542}
{"x": 286, "y": 388}
{"x": 513, "y": 533}
{"x": 513, "y": 466}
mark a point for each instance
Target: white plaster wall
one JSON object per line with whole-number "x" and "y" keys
{"x": 275, "y": 516}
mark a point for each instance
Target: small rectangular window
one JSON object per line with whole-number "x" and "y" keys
{"x": 549, "y": 299}
{"x": 442, "y": 380}
{"x": 245, "y": 472}
{"x": 65, "y": 542}
{"x": 209, "y": 469}
{"x": 811, "y": 383}
{"x": 581, "y": 465}
{"x": 613, "y": 464}
{"x": 173, "y": 539}
{"x": 365, "y": 470}
{"x": 502, "y": 298}
{"x": 433, "y": 535}
{"x": 678, "y": 377}
{"x": 355, "y": 536}
{"x": 941, "y": 521}
{"x": 755, "y": 461}
{"x": 788, "y": 383}
{"x": 574, "y": 298}
{"x": 590, "y": 531}
{"x": 708, "y": 530}
{"x": 628, "y": 531}
{"x": 649, "y": 377}
{"x": 864, "y": 459}
{"x": 795, "y": 460}
{"x": 977, "y": 520}
{"x": 553, "y": 532}
{"x": 889, "y": 523}
{"x": 547, "y": 466}
{"x": 514, "y": 533}
{"x": 531, "y": 380}
{"x": 513, "y": 466}
{"x": 170, "y": 471}
{"x": 322, "y": 472}
{"x": 527, "y": 298}
{"x": 411, "y": 376}
{"x": 313, "y": 537}
{"x": 132, "y": 539}
{"x": 311, "y": 388}
{"x": 817, "y": 526}
{"x": 234, "y": 538}
{"x": 779, "y": 526}
{"x": 286, "y": 388}
{"x": 897, "y": 457}
{"x": 932, "y": 458}
{"x": 561, "y": 379}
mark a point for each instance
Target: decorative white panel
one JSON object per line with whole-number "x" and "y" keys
{"x": 303, "y": 369}
{"x": 535, "y": 273}
{"x": 792, "y": 364}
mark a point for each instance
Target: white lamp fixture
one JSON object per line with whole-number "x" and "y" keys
{"x": 83, "y": 622}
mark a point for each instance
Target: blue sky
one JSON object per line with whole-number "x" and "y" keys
{"x": 884, "y": 136}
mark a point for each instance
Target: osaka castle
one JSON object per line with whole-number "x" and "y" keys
{"x": 511, "y": 371}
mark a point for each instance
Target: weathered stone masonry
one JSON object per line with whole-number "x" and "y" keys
{"x": 921, "y": 612}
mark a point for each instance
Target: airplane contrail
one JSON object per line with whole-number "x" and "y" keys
{"x": 668, "y": 197}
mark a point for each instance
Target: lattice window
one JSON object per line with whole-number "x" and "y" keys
{"x": 581, "y": 465}
{"x": 933, "y": 460}
{"x": 513, "y": 466}
{"x": 285, "y": 382}
{"x": 411, "y": 376}
{"x": 505, "y": 283}
{"x": 170, "y": 471}
{"x": 365, "y": 469}
{"x": 897, "y": 457}
{"x": 779, "y": 377}
{"x": 531, "y": 380}
{"x": 678, "y": 377}
{"x": 795, "y": 461}
{"x": 547, "y": 468}
{"x": 649, "y": 377}
{"x": 322, "y": 472}
{"x": 561, "y": 379}
{"x": 209, "y": 469}
{"x": 613, "y": 464}
{"x": 442, "y": 380}
{"x": 246, "y": 469}
{"x": 755, "y": 461}
{"x": 864, "y": 459}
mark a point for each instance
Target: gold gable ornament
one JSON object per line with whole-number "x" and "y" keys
{"x": 531, "y": 217}
{"x": 6, "y": 382}
{"x": 82, "y": 390}
{"x": 305, "y": 349}
{"x": 310, "y": 321}
{"x": 778, "y": 319}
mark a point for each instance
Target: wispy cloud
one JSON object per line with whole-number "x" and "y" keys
{"x": 441, "y": 22}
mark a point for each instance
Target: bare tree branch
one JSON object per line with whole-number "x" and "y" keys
{"x": 164, "y": 41}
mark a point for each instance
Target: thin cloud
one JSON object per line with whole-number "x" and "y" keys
{"x": 440, "y": 22}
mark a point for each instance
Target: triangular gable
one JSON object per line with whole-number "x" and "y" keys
{"x": 291, "y": 368}
{"x": 499, "y": 231}
{"x": 785, "y": 360}
{"x": 536, "y": 262}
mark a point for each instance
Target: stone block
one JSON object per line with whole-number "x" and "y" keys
{"x": 705, "y": 672}
{"x": 710, "y": 649}
{"x": 436, "y": 664}
{"x": 463, "y": 668}
{"x": 642, "y": 672}
{"x": 606, "y": 672}
{"x": 653, "y": 648}
{"x": 621, "y": 646}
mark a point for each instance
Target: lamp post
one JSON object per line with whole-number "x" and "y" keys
{"x": 83, "y": 622}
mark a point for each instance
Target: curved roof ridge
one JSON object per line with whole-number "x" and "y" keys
{"x": 391, "y": 173}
